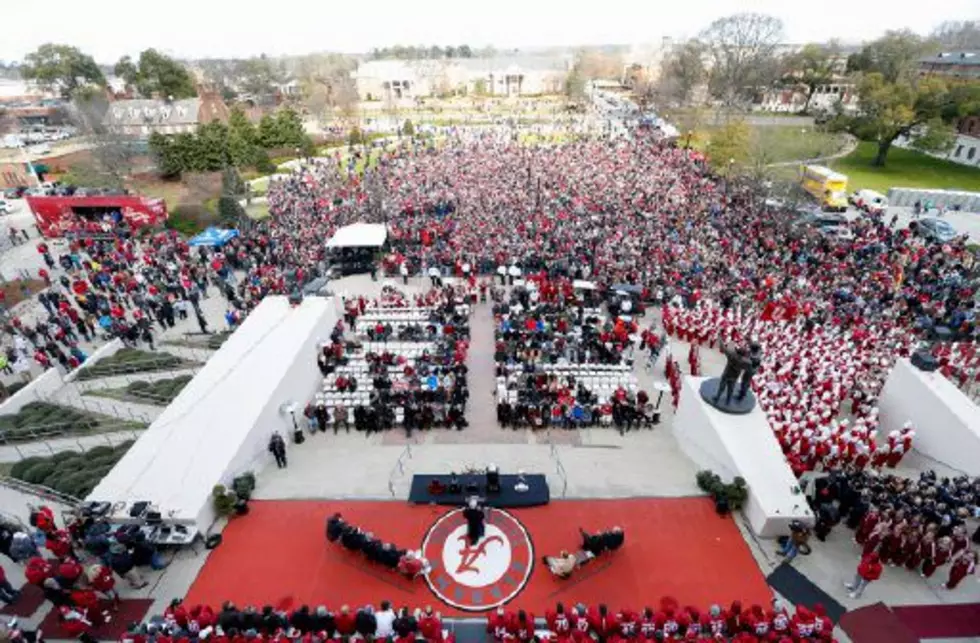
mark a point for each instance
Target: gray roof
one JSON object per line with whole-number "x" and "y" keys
{"x": 153, "y": 112}
{"x": 954, "y": 58}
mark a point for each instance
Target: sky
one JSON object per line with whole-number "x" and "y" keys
{"x": 109, "y": 29}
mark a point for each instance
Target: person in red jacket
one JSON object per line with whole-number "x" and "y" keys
{"x": 823, "y": 627}
{"x": 38, "y": 570}
{"x": 59, "y": 543}
{"x": 558, "y": 623}
{"x": 580, "y": 625}
{"x": 648, "y": 624}
{"x": 868, "y": 571}
{"x": 73, "y": 622}
{"x": 498, "y": 625}
{"x": 345, "y": 621}
{"x": 963, "y": 565}
{"x": 68, "y": 572}
{"x": 430, "y": 625}
{"x": 522, "y": 627}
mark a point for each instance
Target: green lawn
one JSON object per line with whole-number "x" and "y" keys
{"x": 782, "y": 143}
{"x": 257, "y": 211}
{"x": 905, "y": 169}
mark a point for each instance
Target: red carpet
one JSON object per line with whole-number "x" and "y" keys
{"x": 941, "y": 621}
{"x": 876, "y": 624}
{"x": 131, "y": 610}
{"x": 31, "y": 598}
{"x": 278, "y": 554}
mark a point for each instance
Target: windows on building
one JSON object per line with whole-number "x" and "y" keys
{"x": 971, "y": 153}
{"x": 959, "y": 150}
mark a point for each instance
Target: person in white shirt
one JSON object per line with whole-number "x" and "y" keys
{"x": 514, "y": 272}
{"x": 386, "y": 621}
{"x": 502, "y": 273}
{"x": 436, "y": 276}
{"x": 403, "y": 271}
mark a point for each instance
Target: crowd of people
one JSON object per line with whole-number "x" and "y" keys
{"x": 668, "y": 620}
{"x": 76, "y": 566}
{"x": 919, "y": 524}
{"x": 304, "y": 624}
{"x": 352, "y": 538}
{"x": 561, "y": 362}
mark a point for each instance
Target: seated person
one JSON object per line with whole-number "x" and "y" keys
{"x": 335, "y": 527}
{"x": 563, "y": 564}
{"x": 596, "y": 544}
{"x": 353, "y": 539}
{"x": 436, "y": 487}
{"x": 454, "y": 486}
{"x": 412, "y": 565}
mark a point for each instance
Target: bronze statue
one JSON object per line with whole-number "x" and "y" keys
{"x": 753, "y": 360}
{"x": 738, "y": 362}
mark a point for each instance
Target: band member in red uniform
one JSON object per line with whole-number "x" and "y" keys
{"x": 648, "y": 624}
{"x": 626, "y": 623}
{"x": 963, "y": 565}
{"x": 559, "y": 623}
{"x": 580, "y": 625}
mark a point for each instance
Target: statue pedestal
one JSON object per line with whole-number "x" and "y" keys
{"x": 709, "y": 389}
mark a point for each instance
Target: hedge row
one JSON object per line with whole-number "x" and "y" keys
{"x": 157, "y": 392}
{"x": 43, "y": 419}
{"x": 70, "y": 472}
{"x": 131, "y": 360}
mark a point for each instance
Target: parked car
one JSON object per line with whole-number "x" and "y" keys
{"x": 871, "y": 202}
{"x": 15, "y": 192}
{"x": 40, "y": 150}
{"x": 936, "y": 230}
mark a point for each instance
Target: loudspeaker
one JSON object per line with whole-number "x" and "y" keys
{"x": 924, "y": 361}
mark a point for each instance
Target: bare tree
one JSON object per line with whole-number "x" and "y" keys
{"x": 681, "y": 71}
{"x": 742, "y": 52}
{"x": 958, "y": 34}
{"x": 113, "y": 156}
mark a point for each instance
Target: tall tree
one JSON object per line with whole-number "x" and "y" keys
{"x": 814, "y": 65}
{"x": 258, "y": 76}
{"x": 681, "y": 71}
{"x": 958, "y": 34}
{"x": 61, "y": 68}
{"x": 156, "y": 76}
{"x": 895, "y": 56}
{"x": 742, "y": 50}
{"x": 920, "y": 109}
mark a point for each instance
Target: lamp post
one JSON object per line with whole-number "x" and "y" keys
{"x": 687, "y": 145}
{"x": 728, "y": 179}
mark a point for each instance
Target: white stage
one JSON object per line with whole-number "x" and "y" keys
{"x": 945, "y": 420}
{"x": 741, "y": 445}
{"x": 220, "y": 424}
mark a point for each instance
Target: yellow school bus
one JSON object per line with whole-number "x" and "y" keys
{"x": 826, "y": 186}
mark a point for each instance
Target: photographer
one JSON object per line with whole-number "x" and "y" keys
{"x": 796, "y": 542}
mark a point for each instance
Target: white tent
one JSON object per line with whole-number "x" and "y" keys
{"x": 359, "y": 235}
{"x": 220, "y": 424}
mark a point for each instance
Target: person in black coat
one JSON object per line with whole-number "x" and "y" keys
{"x": 372, "y": 548}
{"x": 323, "y": 621}
{"x": 365, "y": 623}
{"x": 405, "y": 624}
{"x": 251, "y": 619}
{"x": 613, "y": 539}
{"x": 229, "y": 617}
{"x": 353, "y": 539}
{"x": 335, "y": 527}
{"x": 301, "y": 619}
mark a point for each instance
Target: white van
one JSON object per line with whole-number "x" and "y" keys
{"x": 871, "y": 202}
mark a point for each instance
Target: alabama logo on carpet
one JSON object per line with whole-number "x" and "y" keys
{"x": 478, "y": 578}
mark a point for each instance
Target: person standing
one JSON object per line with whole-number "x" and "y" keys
{"x": 277, "y": 446}
{"x": 963, "y": 565}
{"x": 474, "y": 521}
{"x": 868, "y": 571}
{"x": 8, "y": 594}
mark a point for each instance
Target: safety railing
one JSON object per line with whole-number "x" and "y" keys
{"x": 559, "y": 466}
{"x": 45, "y": 493}
{"x": 399, "y": 469}
{"x": 80, "y": 443}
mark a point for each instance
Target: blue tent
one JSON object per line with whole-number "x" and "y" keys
{"x": 213, "y": 237}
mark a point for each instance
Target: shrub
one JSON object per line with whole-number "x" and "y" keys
{"x": 355, "y": 137}
{"x": 138, "y": 385}
{"x": 37, "y": 473}
{"x": 223, "y": 500}
{"x": 17, "y": 471}
{"x": 265, "y": 166}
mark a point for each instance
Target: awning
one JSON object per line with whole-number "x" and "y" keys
{"x": 359, "y": 235}
{"x": 213, "y": 237}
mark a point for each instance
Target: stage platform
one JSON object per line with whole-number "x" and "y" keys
{"x": 946, "y": 422}
{"x": 537, "y": 491}
{"x": 741, "y": 445}
{"x": 278, "y": 555}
